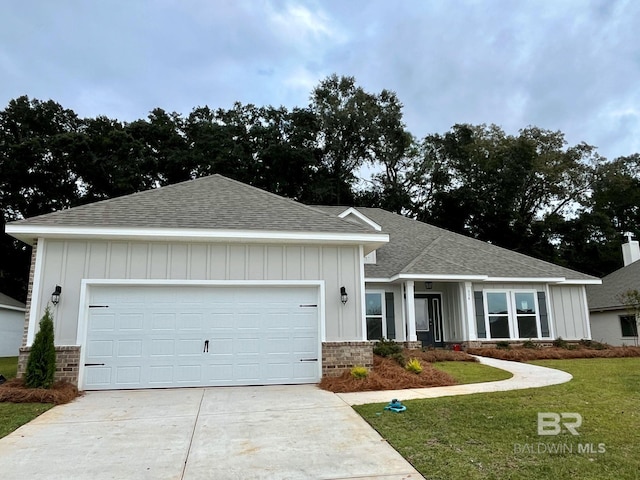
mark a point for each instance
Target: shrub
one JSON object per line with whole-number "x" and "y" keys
{"x": 387, "y": 348}
{"x": 359, "y": 372}
{"x": 399, "y": 358}
{"x": 414, "y": 366}
{"x": 503, "y": 345}
{"x": 41, "y": 364}
{"x": 593, "y": 344}
{"x": 560, "y": 343}
{"x": 530, "y": 344}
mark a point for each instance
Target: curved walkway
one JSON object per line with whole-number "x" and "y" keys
{"x": 524, "y": 376}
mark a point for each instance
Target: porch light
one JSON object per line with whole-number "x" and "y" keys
{"x": 55, "y": 296}
{"x": 343, "y": 295}
{"x": 428, "y": 285}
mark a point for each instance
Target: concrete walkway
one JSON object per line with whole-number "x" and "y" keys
{"x": 271, "y": 432}
{"x": 524, "y": 376}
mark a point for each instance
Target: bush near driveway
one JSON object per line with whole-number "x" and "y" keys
{"x": 520, "y": 354}
{"x": 485, "y": 436}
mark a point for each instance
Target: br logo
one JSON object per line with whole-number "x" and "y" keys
{"x": 551, "y": 423}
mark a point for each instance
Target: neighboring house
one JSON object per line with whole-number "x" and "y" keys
{"x": 611, "y": 321}
{"x": 214, "y": 282}
{"x": 11, "y": 325}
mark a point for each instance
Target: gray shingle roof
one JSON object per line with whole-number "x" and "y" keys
{"x": 213, "y": 202}
{"x": 10, "y": 302}
{"x": 605, "y": 296}
{"x": 417, "y": 248}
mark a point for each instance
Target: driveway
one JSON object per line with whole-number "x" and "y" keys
{"x": 273, "y": 432}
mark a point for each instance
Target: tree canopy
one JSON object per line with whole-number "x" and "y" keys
{"x": 530, "y": 191}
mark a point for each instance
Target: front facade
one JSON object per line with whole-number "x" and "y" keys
{"x": 212, "y": 282}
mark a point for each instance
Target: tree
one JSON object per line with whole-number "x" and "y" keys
{"x": 41, "y": 364}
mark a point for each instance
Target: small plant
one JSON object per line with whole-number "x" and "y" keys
{"x": 399, "y": 358}
{"x": 529, "y": 344}
{"x": 386, "y": 348}
{"x": 560, "y": 343}
{"x": 414, "y": 366}
{"x": 359, "y": 372}
{"x": 41, "y": 364}
{"x": 593, "y": 344}
{"x": 503, "y": 345}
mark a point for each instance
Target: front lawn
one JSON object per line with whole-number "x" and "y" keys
{"x": 470, "y": 372}
{"x": 495, "y": 435}
{"x": 14, "y": 415}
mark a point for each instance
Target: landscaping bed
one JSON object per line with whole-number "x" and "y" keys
{"x": 14, "y": 391}
{"x": 388, "y": 374}
{"x": 571, "y": 351}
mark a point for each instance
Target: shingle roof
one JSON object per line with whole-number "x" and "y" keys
{"x": 417, "y": 248}
{"x": 10, "y": 302}
{"x": 209, "y": 202}
{"x": 605, "y": 296}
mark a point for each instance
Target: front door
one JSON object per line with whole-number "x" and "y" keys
{"x": 429, "y": 319}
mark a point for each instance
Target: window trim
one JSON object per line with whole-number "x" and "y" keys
{"x": 512, "y": 313}
{"x": 634, "y": 321}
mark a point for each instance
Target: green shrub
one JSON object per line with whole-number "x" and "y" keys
{"x": 503, "y": 345}
{"x": 386, "y": 348}
{"x": 560, "y": 343}
{"x": 530, "y": 344}
{"x": 594, "y": 345}
{"x": 399, "y": 358}
{"x": 359, "y": 372}
{"x": 41, "y": 364}
{"x": 414, "y": 366}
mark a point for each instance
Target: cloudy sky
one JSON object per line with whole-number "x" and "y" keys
{"x": 562, "y": 65}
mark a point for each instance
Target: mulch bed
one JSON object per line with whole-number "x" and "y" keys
{"x": 432, "y": 356}
{"x": 387, "y": 374}
{"x": 14, "y": 391}
{"x": 520, "y": 354}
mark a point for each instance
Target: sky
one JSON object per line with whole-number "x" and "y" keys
{"x": 568, "y": 65}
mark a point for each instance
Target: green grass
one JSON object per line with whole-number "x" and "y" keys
{"x": 472, "y": 372}
{"x": 9, "y": 366}
{"x": 14, "y": 415}
{"x": 484, "y": 436}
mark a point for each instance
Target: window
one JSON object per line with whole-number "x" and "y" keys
{"x": 375, "y": 325}
{"x": 628, "y": 325}
{"x": 512, "y": 314}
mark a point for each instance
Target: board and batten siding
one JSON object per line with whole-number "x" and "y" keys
{"x": 569, "y": 309}
{"x": 67, "y": 263}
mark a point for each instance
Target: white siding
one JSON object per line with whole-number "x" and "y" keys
{"x": 605, "y": 327}
{"x": 67, "y": 263}
{"x": 569, "y": 311}
{"x": 11, "y": 328}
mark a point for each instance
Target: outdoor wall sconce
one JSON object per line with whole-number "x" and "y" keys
{"x": 428, "y": 285}
{"x": 343, "y": 295}
{"x": 55, "y": 296}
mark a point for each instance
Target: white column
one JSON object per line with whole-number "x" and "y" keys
{"x": 411, "y": 311}
{"x": 470, "y": 313}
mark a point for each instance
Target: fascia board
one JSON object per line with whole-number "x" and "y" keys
{"x": 11, "y": 307}
{"x": 361, "y": 216}
{"x": 588, "y": 281}
{"x": 26, "y": 233}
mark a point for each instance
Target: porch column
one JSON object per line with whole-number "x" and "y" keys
{"x": 411, "y": 311}
{"x": 472, "y": 333}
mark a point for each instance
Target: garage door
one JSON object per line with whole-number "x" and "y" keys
{"x": 148, "y": 337}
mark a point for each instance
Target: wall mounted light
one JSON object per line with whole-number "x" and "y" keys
{"x": 55, "y": 296}
{"x": 428, "y": 285}
{"x": 343, "y": 295}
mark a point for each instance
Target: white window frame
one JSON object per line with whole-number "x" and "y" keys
{"x": 383, "y": 313}
{"x": 512, "y": 313}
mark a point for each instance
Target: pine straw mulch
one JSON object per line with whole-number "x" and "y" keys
{"x": 520, "y": 354}
{"x": 14, "y": 391}
{"x": 387, "y": 374}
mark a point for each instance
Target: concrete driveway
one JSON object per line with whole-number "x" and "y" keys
{"x": 274, "y": 432}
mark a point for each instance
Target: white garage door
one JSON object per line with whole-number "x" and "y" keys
{"x": 148, "y": 337}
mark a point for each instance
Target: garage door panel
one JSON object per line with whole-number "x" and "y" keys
{"x": 256, "y": 336}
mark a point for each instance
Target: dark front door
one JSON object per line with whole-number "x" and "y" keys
{"x": 429, "y": 319}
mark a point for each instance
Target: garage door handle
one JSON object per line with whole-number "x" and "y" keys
{"x": 308, "y": 359}
{"x": 93, "y": 364}
{"x": 206, "y": 347}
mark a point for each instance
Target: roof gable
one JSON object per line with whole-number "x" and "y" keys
{"x": 7, "y": 302}
{"x": 605, "y": 296}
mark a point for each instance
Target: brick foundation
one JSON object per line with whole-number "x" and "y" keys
{"x": 67, "y": 362}
{"x": 413, "y": 345}
{"x": 338, "y": 357}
